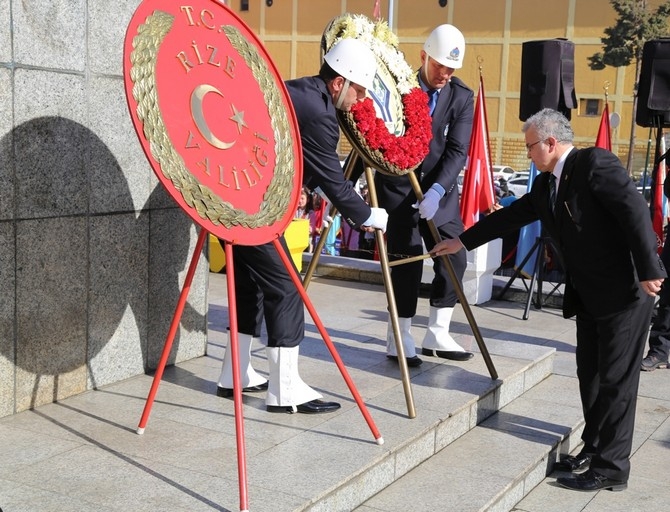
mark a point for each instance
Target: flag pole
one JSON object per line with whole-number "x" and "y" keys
{"x": 606, "y": 87}
{"x": 604, "y": 136}
{"x": 480, "y": 60}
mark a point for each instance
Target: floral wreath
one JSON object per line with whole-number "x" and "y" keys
{"x": 368, "y": 133}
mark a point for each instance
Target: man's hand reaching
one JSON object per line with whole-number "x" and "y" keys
{"x": 448, "y": 246}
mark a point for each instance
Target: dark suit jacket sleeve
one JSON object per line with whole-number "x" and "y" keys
{"x": 501, "y": 222}
{"x": 319, "y": 134}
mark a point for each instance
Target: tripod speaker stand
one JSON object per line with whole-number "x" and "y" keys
{"x": 539, "y": 249}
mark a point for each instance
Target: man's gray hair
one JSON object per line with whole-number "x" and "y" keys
{"x": 550, "y": 123}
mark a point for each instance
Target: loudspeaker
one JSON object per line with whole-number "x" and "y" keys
{"x": 653, "y": 92}
{"x": 547, "y": 77}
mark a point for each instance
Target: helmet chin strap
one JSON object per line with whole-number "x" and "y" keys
{"x": 343, "y": 93}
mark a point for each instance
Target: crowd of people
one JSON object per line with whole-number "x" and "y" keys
{"x": 341, "y": 239}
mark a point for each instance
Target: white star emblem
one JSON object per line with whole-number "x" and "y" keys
{"x": 238, "y": 117}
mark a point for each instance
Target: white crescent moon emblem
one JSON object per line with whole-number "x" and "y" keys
{"x": 197, "y": 97}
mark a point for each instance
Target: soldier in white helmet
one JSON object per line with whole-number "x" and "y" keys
{"x": 263, "y": 287}
{"x": 451, "y": 103}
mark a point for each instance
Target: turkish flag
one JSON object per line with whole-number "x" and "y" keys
{"x": 656, "y": 203}
{"x": 477, "y": 195}
{"x": 604, "y": 138}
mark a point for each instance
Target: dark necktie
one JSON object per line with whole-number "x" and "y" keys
{"x": 552, "y": 191}
{"x": 432, "y": 100}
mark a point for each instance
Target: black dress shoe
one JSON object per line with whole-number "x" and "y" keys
{"x": 652, "y": 361}
{"x": 454, "y": 355}
{"x": 413, "y": 361}
{"x": 591, "y": 481}
{"x": 574, "y": 462}
{"x": 228, "y": 392}
{"x": 312, "y": 407}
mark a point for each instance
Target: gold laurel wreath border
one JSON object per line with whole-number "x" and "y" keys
{"x": 208, "y": 205}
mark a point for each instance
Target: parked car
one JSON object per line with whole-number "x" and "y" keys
{"x": 518, "y": 185}
{"x": 499, "y": 171}
{"x": 502, "y": 171}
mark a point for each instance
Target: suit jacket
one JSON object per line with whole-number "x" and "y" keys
{"x": 601, "y": 225}
{"x": 451, "y": 127}
{"x": 320, "y": 134}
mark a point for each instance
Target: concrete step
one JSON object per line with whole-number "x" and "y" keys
{"x": 450, "y": 403}
{"x": 494, "y": 465}
{"x": 186, "y": 458}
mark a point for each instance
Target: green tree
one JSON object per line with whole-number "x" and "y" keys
{"x": 623, "y": 43}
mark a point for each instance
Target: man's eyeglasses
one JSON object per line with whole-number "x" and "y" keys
{"x": 530, "y": 146}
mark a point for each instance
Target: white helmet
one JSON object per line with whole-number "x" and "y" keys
{"x": 354, "y": 60}
{"x": 446, "y": 45}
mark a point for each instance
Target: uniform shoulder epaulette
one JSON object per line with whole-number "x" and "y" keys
{"x": 457, "y": 81}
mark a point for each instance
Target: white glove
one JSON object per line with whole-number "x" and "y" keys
{"x": 378, "y": 219}
{"x": 325, "y": 222}
{"x": 429, "y": 205}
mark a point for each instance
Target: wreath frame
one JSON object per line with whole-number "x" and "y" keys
{"x": 387, "y": 152}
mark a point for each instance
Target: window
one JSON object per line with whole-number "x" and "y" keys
{"x": 589, "y": 107}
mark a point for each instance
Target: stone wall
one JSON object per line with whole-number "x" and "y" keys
{"x": 93, "y": 252}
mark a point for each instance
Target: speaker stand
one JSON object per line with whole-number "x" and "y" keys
{"x": 539, "y": 247}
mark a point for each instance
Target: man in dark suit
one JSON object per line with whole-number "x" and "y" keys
{"x": 263, "y": 286}
{"x": 451, "y": 103}
{"x": 601, "y": 225}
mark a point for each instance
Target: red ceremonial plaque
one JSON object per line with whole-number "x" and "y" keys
{"x": 214, "y": 118}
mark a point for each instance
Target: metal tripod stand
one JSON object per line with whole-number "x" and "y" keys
{"x": 539, "y": 247}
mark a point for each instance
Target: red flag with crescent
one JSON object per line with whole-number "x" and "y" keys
{"x": 657, "y": 199}
{"x": 477, "y": 195}
{"x": 604, "y": 138}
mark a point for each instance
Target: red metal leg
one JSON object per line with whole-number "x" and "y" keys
{"x": 173, "y": 330}
{"x": 237, "y": 388}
